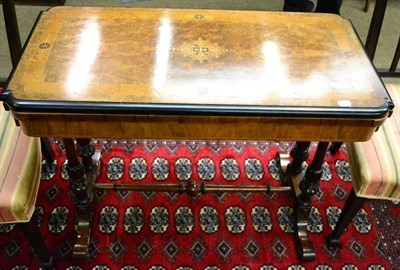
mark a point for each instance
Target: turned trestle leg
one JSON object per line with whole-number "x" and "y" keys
{"x": 82, "y": 176}
{"x": 304, "y": 183}
{"x": 308, "y": 187}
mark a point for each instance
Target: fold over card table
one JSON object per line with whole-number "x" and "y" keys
{"x": 195, "y": 75}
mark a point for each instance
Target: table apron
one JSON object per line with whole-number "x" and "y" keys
{"x": 196, "y": 127}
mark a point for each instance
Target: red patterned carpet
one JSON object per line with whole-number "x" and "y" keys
{"x": 145, "y": 230}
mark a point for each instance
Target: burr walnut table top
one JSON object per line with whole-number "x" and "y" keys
{"x": 87, "y": 65}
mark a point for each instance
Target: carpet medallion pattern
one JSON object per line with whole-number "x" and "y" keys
{"x": 238, "y": 231}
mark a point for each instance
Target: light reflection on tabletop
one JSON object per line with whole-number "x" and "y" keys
{"x": 80, "y": 72}
{"x": 178, "y": 56}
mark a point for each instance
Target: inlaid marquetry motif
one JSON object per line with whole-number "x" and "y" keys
{"x": 201, "y": 50}
{"x": 199, "y": 16}
{"x": 44, "y": 45}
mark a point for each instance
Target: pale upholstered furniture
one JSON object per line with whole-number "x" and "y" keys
{"x": 20, "y": 168}
{"x": 375, "y": 165}
{"x": 375, "y": 168}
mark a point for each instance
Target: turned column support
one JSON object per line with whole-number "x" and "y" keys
{"x": 78, "y": 181}
{"x": 82, "y": 176}
{"x": 304, "y": 184}
{"x": 299, "y": 154}
{"x": 309, "y": 185}
{"x": 86, "y": 151}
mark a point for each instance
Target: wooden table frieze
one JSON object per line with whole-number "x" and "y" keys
{"x": 195, "y": 75}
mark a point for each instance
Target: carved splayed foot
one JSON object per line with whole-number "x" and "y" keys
{"x": 304, "y": 246}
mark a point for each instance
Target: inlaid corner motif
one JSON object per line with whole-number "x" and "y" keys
{"x": 44, "y": 45}
{"x": 199, "y": 16}
{"x": 201, "y": 50}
